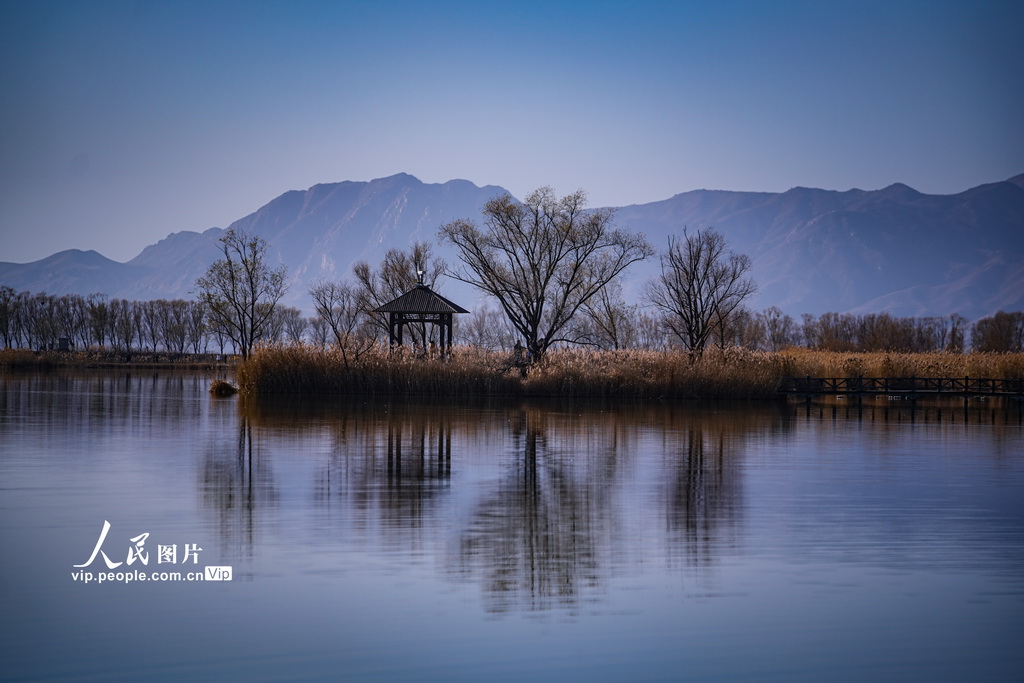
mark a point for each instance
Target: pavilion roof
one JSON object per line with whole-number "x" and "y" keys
{"x": 420, "y": 299}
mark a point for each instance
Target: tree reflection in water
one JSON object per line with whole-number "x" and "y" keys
{"x": 702, "y": 496}
{"x": 533, "y": 539}
{"x": 237, "y": 485}
{"x": 551, "y": 502}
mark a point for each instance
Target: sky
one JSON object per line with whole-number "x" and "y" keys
{"x": 122, "y": 122}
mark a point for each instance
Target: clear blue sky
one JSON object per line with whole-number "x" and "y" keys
{"x": 121, "y": 122}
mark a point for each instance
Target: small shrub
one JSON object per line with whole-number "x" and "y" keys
{"x": 221, "y": 388}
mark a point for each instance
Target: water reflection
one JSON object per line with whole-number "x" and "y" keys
{"x": 236, "y": 484}
{"x": 378, "y": 539}
{"x": 103, "y": 405}
{"x": 539, "y": 536}
{"x": 387, "y": 464}
{"x": 974, "y": 410}
{"x": 702, "y": 496}
{"x": 538, "y": 504}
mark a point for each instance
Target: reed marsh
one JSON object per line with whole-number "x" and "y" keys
{"x": 633, "y": 374}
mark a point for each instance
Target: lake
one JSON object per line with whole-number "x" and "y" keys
{"x": 502, "y": 541}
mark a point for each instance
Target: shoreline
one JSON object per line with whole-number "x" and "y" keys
{"x": 25, "y": 359}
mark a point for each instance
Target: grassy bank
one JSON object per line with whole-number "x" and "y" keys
{"x": 733, "y": 373}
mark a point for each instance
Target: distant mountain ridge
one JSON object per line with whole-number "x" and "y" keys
{"x": 814, "y": 250}
{"x": 893, "y": 249}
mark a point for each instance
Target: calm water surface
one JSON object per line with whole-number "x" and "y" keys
{"x": 405, "y": 541}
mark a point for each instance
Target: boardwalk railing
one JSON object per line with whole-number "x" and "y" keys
{"x": 905, "y": 386}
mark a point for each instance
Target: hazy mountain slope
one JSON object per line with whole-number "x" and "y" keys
{"x": 71, "y": 272}
{"x": 174, "y": 264}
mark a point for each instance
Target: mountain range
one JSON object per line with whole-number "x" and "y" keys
{"x": 894, "y": 250}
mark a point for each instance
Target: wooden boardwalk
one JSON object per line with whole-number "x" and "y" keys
{"x": 906, "y": 387}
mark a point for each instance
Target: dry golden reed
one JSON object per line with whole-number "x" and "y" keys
{"x": 805, "y": 362}
{"x": 637, "y": 374}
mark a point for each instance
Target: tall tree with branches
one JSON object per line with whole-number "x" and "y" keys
{"x": 543, "y": 259}
{"x": 240, "y": 290}
{"x": 701, "y": 285}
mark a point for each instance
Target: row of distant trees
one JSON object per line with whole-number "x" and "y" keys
{"x": 771, "y": 330}
{"x": 549, "y": 265}
{"x": 40, "y": 321}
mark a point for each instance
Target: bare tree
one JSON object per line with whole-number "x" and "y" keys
{"x": 1001, "y": 332}
{"x": 740, "y": 328}
{"x": 153, "y": 323}
{"x": 543, "y": 259}
{"x": 610, "y": 320}
{"x": 650, "y": 331}
{"x": 98, "y": 310}
{"x": 69, "y": 316}
{"x": 701, "y": 284}
{"x": 21, "y": 320}
{"x": 294, "y": 324}
{"x": 487, "y": 329}
{"x": 273, "y": 331}
{"x": 954, "y": 341}
{"x": 126, "y": 323}
{"x": 175, "y": 320}
{"x": 319, "y": 331}
{"x": 780, "y": 330}
{"x": 196, "y": 326}
{"x": 339, "y": 305}
{"x": 241, "y": 291}
{"x": 44, "y": 323}
{"x": 8, "y": 307}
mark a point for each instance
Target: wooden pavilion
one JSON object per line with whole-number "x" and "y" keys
{"x": 421, "y": 304}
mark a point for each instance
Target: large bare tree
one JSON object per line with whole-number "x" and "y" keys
{"x": 542, "y": 259}
{"x": 240, "y": 290}
{"x": 702, "y": 283}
